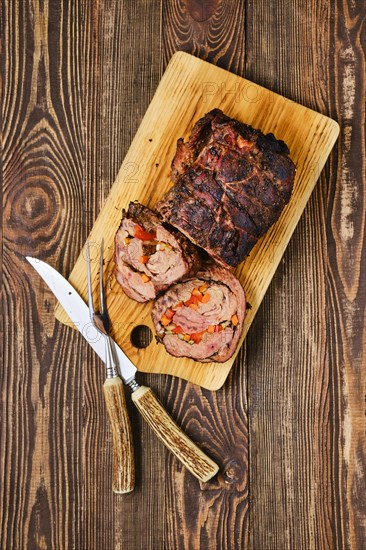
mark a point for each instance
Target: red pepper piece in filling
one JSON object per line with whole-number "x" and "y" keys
{"x": 196, "y": 337}
{"x": 143, "y": 235}
{"x": 192, "y": 300}
{"x": 169, "y": 313}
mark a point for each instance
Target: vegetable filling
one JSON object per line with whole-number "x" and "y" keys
{"x": 200, "y": 296}
{"x": 150, "y": 246}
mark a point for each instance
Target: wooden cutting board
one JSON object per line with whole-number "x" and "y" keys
{"x": 188, "y": 89}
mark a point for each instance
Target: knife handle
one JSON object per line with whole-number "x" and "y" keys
{"x": 172, "y": 436}
{"x": 123, "y": 454}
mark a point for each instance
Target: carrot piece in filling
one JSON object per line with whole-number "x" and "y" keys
{"x": 196, "y": 337}
{"x": 196, "y": 292}
{"x": 165, "y": 321}
{"x": 205, "y": 298}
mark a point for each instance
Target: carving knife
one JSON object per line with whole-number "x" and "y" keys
{"x": 195, "y": 460}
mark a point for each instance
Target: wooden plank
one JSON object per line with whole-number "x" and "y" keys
{"x": 306, "y": 349}
{"x": 41, "y": 406}
{"x": 184, "y": 90}
{"x": 346, "y": 281}
{"x": 120, "y": 88}
{"x": 97, "y": 514}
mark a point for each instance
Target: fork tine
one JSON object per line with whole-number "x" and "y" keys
{"x": 103, "y": 305}
{"x": 103, "y": 302}
{"x": 90, "y": 292}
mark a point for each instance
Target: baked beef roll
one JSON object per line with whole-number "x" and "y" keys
{"x": 201, "y": 317}
{"x": 149, "y": 256}
{"x": 231, "y": 184}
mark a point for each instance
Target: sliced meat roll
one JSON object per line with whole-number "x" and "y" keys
{"x": 202, "y": 317}
{"x": 149, "y": 256}
{"x": 231, "y": 184}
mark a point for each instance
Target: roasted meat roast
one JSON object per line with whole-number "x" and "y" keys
{"x": 231, "y": 183}
{"x": 201, "y": 317}
{"x": 149, "y": 255}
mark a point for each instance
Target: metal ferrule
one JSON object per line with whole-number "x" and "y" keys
{"x": 133, "y": 385}
{"x": 110, "y": 362}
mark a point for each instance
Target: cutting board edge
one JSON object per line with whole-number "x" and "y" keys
{"x": 332, "y": 121}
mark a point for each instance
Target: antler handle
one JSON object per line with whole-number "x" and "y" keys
{"x": 199, "y": 464}
{"x": 123, "y": 455}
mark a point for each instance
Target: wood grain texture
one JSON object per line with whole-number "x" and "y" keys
{"x": 184, "y": 87}
{"x": 288, "y": 427}
{"x": 212, "y": 30}
{"x": 41, "y": 405}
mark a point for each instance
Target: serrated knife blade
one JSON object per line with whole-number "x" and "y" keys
{"x": 78, "y": 311}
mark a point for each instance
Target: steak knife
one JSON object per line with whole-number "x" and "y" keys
{"x": 166, "y": 429}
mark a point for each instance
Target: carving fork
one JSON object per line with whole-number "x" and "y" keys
{"x": 123, "y": 454}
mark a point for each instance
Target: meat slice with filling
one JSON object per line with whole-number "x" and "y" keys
{"x": 231, "y": 184}
{"x": 150, "y": 256}
{"x": 202, "y": 317}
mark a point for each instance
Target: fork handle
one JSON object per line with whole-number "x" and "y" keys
{"x": 195, "y": 460}
{"x": 123, "y": 455}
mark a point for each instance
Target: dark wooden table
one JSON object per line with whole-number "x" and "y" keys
{"x": 288, "y": 427}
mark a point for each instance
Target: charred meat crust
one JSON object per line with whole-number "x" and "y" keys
{"x": 231, "y": 184}
{"x": 138, "y": 213}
